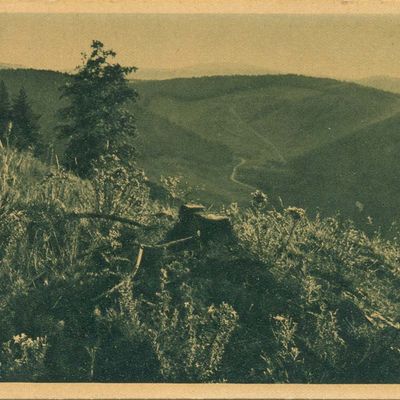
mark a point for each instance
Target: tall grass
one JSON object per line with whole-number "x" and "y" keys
{"x": 290, "y": 299}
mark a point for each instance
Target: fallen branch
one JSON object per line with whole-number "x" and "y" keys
{"x": 108, "y": 217}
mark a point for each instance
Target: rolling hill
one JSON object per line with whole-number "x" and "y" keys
{"x": 315, "y": 143}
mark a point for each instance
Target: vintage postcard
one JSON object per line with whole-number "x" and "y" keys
{"x": 200, "y": 199}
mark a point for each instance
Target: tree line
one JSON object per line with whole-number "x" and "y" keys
{"x": 95, "y": 122}
{"x": 19, "y": 125}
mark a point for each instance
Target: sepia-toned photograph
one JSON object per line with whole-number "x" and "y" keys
{"x": 193, "y": 192}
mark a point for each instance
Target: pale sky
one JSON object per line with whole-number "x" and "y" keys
{"x": 343, "y": 46}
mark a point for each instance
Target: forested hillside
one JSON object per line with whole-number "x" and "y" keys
{"x": 319, "y": 143}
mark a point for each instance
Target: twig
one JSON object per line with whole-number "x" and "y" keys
{"x": 138, "y": 261}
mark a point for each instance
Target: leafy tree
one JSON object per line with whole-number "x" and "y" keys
{"x": 96, "y": 122}
{"x": 5, "y": 109}
{"x": 25, "y": 130}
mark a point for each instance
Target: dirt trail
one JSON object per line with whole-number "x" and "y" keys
{"x": 233, "y": 178}
{"x": 242, "y": 161}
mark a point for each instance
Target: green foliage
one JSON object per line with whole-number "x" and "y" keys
{"x": 97, "y": 120}
{"x": 22, "y": 358}
{"x": 58, "y": 274}
{"x": 177, "y": 190}
{"x": 5, "y": 109}
{"x": 189, "y": 342}
{"x": 118, "y": 187}
{"x": 290, "y": 298}
{"x": 24, "y": 133}
{"x": 329, "y": 301}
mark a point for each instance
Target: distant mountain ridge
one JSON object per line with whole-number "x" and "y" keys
{"x": 201, "y": 70}
{"x": 387, "y": 83}
{"x": 11, "y": 66}
{"x": 197, "y": 70}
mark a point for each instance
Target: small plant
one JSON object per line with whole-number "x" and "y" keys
{"x": 178, "y": 191}
{"x": 259, "y": 199}
{"x": 119, "y": 188}
{"x": 190, "y": 342}
{"x": 286, "y": 364}
{"x": 22, "y": 358}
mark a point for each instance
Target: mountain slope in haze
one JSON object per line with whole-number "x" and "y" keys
{"x": 316, "y": 143}
{"x": 387, "y": 83}
{"x": 357, "y": 175}
{"x": 275, "y": 127}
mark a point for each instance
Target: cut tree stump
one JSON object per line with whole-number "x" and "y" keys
{"x": 195, "y": 221}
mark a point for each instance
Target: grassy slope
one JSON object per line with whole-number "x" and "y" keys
{"x": 314, "y": 142}
{"x": 315, "y": 301}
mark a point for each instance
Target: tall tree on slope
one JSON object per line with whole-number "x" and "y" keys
{"x": 97, "y": 120}
{"x": 25, "y": 129}
{"x": 5, "y": 110}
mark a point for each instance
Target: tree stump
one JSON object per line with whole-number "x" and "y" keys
{"x": 195, "y": 221}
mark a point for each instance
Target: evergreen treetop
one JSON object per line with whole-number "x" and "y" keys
{"x": 5, "y": 109}
{"x": 25, "y": 129}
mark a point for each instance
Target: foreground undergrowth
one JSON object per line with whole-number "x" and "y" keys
{"x": 287, "y": 299}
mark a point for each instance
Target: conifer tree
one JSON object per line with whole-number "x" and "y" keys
{"x": 97, "y": 121}
{"x": 25, "y": 129}
{"x": 5, "y": 110}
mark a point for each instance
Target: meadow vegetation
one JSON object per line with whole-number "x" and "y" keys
{"x": 288, "y": 299}
{"x": 96, "y": 286}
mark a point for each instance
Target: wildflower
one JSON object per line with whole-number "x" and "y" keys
{"x": 296, "y": 213}
{"x": 20, "y": 338}
{"x": 97, "y": 312}
{"x": 259, "y": 199}
{"x": 211, "y": 309}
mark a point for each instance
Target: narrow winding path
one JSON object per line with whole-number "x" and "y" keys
{"x": 233, "y": 178}
{"x": 261, "y": 138}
